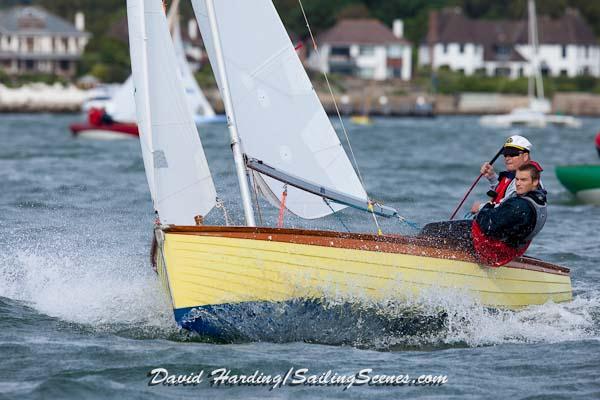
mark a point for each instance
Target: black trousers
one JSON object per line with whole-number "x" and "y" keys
{"x": 453, "y": 233}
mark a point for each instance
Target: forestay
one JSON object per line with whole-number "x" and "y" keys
{"x": 177, "y": 171}
{"x": 277, "y": 113}
{"x": 198, "y": 102}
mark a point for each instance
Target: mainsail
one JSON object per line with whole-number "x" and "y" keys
{"x": 277, "y": 112}
{"x": 176, "y": 167}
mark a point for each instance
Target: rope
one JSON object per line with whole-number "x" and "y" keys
{"x": 413, "y": 225}
{"x": 219, "y": 204}
{"x": 282, "y": 207}
{"x": 379, "y": 233}
{"x": 336, "y": 214}
{"x": 256, "y": 198}
{"x": 337, "y": 110}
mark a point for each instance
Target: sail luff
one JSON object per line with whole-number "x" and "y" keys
{"x": 242, "y": 173}
{"x": 173, "y": 154}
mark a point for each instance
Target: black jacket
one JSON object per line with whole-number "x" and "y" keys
{"x": 513, "y": 220}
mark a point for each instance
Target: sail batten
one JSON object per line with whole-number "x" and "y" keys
{"x": 278, "y": 115}
{"x": 180, "y": 181}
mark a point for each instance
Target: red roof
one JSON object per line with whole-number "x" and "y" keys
{"x": 359, "y": 31}
{"x": 451, "y": 26}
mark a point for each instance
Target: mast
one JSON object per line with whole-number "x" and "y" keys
{"x": 534, "y": 43}
{"x": 238, "y": 156}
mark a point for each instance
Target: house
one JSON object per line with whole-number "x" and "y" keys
{"x": 34, "y": 41}
{"x": 567, "y": 45}
{"x": 365, "y": 48}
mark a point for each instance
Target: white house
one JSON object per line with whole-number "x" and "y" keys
{"x": 567, "y": 45}
{"x": 34, "y": 41}
{"x": 365, "y": 48}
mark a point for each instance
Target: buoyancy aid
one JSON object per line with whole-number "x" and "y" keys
{"x": 495, "y": 252}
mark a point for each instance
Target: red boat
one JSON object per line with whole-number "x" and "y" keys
{"x": 101, "y": 126}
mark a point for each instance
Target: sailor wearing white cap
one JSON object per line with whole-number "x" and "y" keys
{"x": 516, "y": 152}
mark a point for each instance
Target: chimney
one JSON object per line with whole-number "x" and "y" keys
{"x": 432, "y": 32}
{"x": 398, "y": 28}
{"x": 80, "y": 21}
{"x": 192, "y": 29}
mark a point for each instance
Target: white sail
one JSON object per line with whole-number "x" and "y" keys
{"x": 122, "y": 105}
{"x": 277, "y": 112}
{"x": 198, "y": 102}
{"x": 178, "y": 174}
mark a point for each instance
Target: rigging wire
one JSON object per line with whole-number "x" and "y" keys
{"x": 337, "y": 110}
{"x": 336, "y": 214}
{"x": 219, "y": 204}
{"x": 256, "y": 198}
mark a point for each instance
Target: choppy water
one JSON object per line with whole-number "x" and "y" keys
{"x": 82, "y": 314}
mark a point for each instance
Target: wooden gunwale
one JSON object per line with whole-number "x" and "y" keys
{"x": 415, "y": 246}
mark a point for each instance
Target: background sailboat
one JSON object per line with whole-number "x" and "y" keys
{"x": 537, "y": 114}
{"x": 282, "y": 138}
{"x": 121, "y": 107}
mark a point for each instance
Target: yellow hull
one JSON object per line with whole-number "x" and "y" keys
{"x": 204, "y": 270}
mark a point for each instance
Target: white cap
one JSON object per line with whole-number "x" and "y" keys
{"x": 518, "y": 142}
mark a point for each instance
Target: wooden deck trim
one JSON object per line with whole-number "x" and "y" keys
{"x": 359, "y": 241}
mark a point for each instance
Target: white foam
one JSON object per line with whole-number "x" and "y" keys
{"x": 86, "y": 289}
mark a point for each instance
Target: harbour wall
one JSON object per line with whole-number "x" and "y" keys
{"x": 37, "y": 97}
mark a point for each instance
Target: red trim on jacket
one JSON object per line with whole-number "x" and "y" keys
{"x": 491, "y": 251}
{"x": 501, "y": 189}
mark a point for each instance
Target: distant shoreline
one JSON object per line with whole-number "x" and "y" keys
{"x": 41, "y": 98}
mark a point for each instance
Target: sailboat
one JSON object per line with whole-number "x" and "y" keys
{"x": 120, "y": 109}
{"x": 537, "y": 114}
{"x": 283, "y": 144}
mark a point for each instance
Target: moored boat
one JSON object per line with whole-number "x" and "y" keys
{"x": 537, "y": 114}
{"x": 581, "y": 180}
{"x": 105, "y": 131}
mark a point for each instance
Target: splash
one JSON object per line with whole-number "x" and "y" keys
{"x": 104, "y": 291}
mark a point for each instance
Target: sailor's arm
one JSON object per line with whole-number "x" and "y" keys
{"x": 495, "y": 222}
{"x": 487, "y": 170}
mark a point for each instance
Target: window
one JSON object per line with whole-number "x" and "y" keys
{"x": 64, "y": 65}
{"x": 587, "y": 51}
{"x": 340, "y": 51}
{"x": 564, "y": 52}
{"x": 395, "y": 51}
{"x": 445, "y": 48}
{"x": 563, "y": 72}
{"x": 367, "y": 50}
{"x": 367, "y": 73}
{"x": 394, "y": 72}
{"x": 502, "y": 71}
{"x": 461, "y": 48}
{"x": 341, "y": 69}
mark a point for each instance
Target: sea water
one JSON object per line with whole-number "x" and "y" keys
{"x": 82, "y": 314}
